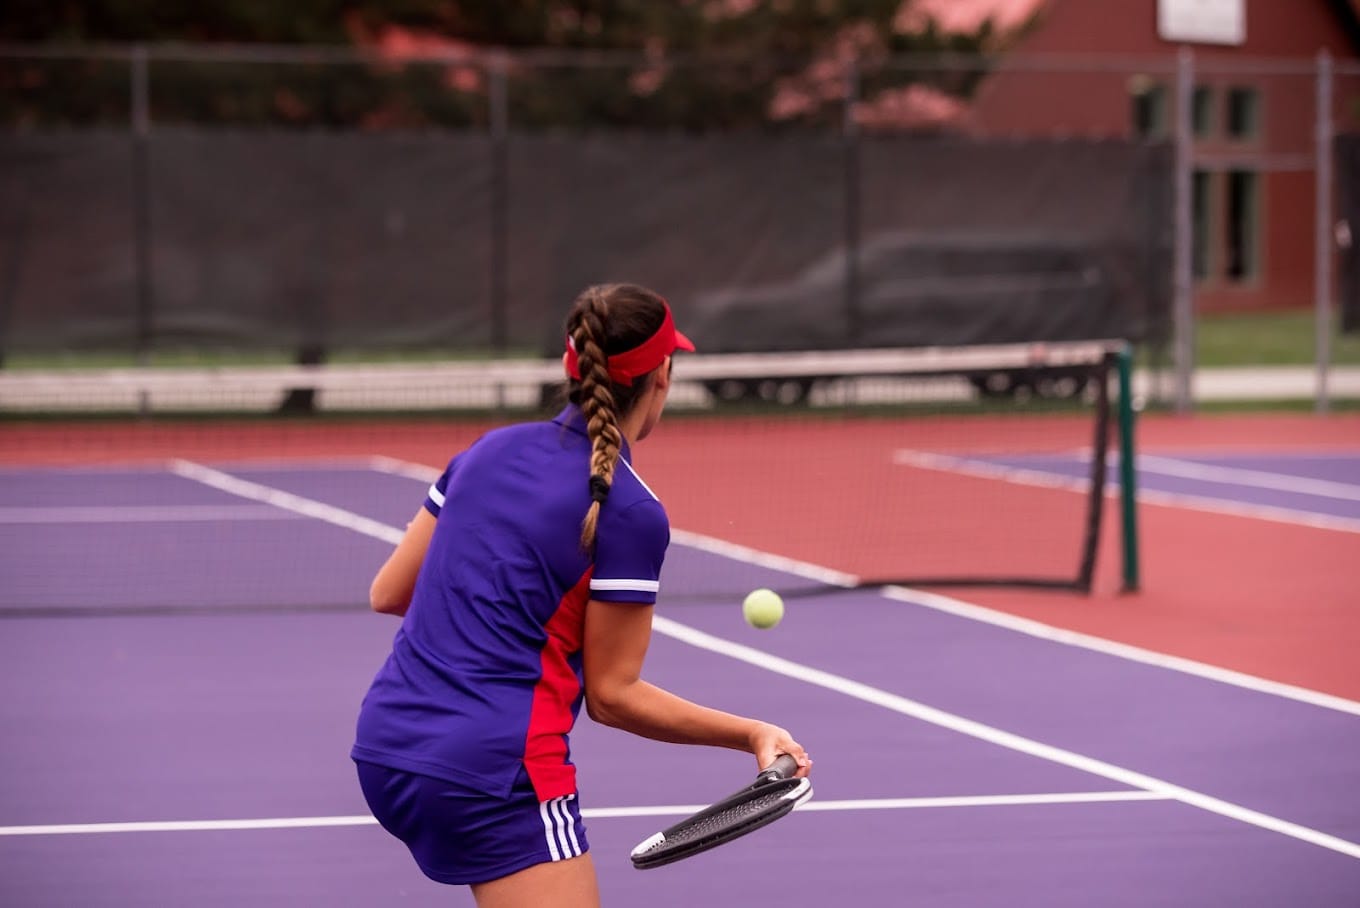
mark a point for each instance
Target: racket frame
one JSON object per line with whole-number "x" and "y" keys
{"x": 775, "y": 780}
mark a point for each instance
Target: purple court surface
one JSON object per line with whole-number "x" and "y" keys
{"x": 185, "y": 649}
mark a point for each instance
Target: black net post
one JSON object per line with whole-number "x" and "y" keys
{"x": 1095, "y": 505}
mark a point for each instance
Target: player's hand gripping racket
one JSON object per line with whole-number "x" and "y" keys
{"x": 772, "y": 795}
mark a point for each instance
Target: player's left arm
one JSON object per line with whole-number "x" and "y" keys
{"x": 395, "y": 581}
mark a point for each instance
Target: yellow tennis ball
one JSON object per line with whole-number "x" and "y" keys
{"x": 762, "y": 608}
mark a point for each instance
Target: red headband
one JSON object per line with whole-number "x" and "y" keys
{"x": 646, "y": 356}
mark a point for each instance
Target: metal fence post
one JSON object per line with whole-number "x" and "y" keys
{"x": 851, "y": 176}
{"x": 141, "y": 211}
{"x": 1183, "y": 352}
{"x": 1322, "y": 230}
{"x": 499, "y": 116}
{"x": 498, "y": 259}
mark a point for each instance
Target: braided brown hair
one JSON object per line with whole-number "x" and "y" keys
{"x": 607, "y": 319}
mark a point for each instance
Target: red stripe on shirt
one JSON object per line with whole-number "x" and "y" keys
{"x": 550, "y": 716}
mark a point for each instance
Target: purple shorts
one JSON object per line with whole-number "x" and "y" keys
{"x": 459, "y": 835}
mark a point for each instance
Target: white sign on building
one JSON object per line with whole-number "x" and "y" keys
{"x": 1202, "y": 21}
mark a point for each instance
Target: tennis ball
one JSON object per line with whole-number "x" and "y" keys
{"x": 762, "y": 608}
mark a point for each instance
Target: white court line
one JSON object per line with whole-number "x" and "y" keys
{"x": 763, "y": 559}
{"x": 138, "y": 513}
{"x": 356, "y": 462}
{"x": 404, "y": 468}
{"x": 30, "y": 471}
{"x": 185, "y": 826}
{"x": 1027, "y": 626}
{"x": 1119, "y": 650}
{"x": 848, "y": 687}
{"x": 661, "y": 810}
{"x": 971, "y": 612}
{"x": 1255, "y": 511}
{"x": 1259, "y": 479}
{"x": 947, "y": 463}
{"x": 307, "y": 507}
{"x": 992, "y": 735}
{"x": 1025, "y": 476}
{"x": 424, "y": 474}
{"x": 1068, "y": 797}
{"x": 1182, "y": 469}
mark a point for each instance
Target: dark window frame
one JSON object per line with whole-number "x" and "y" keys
{"x": 1242, "y": 223}
{"x": 1148, "y": 109}
{"x": 1202, "y": 110}
{"x": 1242, "y": 120}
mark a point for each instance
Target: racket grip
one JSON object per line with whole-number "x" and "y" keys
{"x": 783, "y": 767}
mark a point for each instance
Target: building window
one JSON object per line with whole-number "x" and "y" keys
{"x": 1202, "y": 110}
{"x": 1244, "y": 112}
{"x": 1148, "y": 108}
{"x": 1202, "y": 221}
{"x": 1243, "y": 226}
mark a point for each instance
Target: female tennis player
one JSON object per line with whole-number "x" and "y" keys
{"x": 527, "y": 581}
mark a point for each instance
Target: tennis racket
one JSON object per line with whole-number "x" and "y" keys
{"x": 772, "y": 795}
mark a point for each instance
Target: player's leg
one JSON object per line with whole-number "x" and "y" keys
{"x": 569, "y": 883}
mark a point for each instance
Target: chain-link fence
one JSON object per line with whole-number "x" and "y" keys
{"x": 320, "y": 203}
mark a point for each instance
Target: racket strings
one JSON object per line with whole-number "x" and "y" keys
{"x": 724, "y": 820}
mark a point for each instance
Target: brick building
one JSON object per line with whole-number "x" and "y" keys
{"x": 1111, "y": 71}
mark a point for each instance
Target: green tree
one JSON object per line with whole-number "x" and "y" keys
{"x": 695, "y": 64}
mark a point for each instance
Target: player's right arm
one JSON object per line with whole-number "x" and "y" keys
{"x": 392, "y": 587}
{"x": 617, "y": 635}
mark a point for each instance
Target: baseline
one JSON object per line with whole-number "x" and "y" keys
{"x": 661, "y": 810}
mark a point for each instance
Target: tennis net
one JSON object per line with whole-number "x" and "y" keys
{"x": 797, "y": 471}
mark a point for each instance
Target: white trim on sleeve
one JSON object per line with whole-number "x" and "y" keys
{"x": 641, "y": 586}
{"x": 435, "y": 495}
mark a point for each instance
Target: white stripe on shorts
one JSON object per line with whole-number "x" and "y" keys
{"x": 559, "y": 828}
{"x": 569, "y": 827}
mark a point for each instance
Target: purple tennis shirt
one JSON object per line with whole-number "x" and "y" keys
{"x": 485, "y": 673}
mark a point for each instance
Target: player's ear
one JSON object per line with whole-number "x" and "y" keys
{"x": 566, "y": 370}
{"x": 662, "y": 379}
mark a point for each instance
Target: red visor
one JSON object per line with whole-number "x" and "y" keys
{"x": 646, "y": 356}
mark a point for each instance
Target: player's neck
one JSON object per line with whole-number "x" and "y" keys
{"x": 630, "y": 426}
